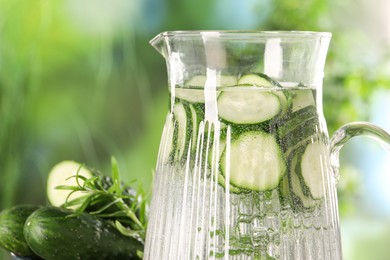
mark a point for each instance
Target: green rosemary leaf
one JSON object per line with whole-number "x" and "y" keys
{"x": 105, "y": 207}
{"x": 77, "y": 176}
{"x": 116, "y": 214}
{"x": 90, "y": 183}
{"x": 69, "y": 187}
{"x": 126, "y": 231}
{"x": 141, "y": 203}
{"x": 130, "y": 213}
{"x": 142, "y": 211}
{"x": 87, "y": 201}
{"x": 140, "y": 254}
{"x": 115, "y": 176}
{"x": 76, "y": 201}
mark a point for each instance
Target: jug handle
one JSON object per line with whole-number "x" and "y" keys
{"x": 346, "y": 132}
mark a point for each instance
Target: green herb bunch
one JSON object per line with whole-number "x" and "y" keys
{"x": 108, "y": 198}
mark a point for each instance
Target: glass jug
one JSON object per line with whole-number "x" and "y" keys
{"x": 246, "y": 169}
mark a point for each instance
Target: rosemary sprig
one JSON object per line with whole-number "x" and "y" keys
{"x": 108, "y": 198}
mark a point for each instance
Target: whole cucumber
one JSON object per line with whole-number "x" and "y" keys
{"x": 55, "y": 235}
{"x": 12, "y": 222}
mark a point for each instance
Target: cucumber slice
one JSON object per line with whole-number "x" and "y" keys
{"x": 259, "y": 80}
{"x": 302, "y": 98}
{"x": 285, "y": 102}
{"x": 232, "y": 189}
{"x": 306, "y": 201}
{"x": 255, "y": 163}
{"x": 61, "y": 174}
{"x": 297, "y": 190}
{"x": 284, "y": 191}
{"x": 183, "y": 121}
{"x": 226, "y": 81}
{"x": 300, "y": 133}
{"x": 194, "y": 91}
{"x": 221, "y": 179}
{"x": 195, "y": 124}
{"x": 302, "y": 143}
{"x": 248, "y": 106}
{"x": 215, "y": 156}
{"x": 197, "y": 81}
{"x": 221, "y": 81}
{"x": 314, "y": 163}
{"x": 295, "y": 119}
{"x": 190, "y": 95}
{"x": 262, "y": 80}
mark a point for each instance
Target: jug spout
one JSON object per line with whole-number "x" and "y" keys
{"x": 158, "y": 43}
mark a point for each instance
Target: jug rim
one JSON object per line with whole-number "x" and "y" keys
{"x": 243, "y": 34}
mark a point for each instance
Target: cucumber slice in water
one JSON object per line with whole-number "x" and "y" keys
{"x": 295, "y": 119}
{"x": 220, "y": 80}
{"x": 248, "y": 106}
{"x": 183, "y": 121}
{"x": 226, "y": 81}
{"x": 232, "y": 189}
{"x": 194, "y": 90}
{"x": 302, "y": 98}
{"x": 297, "y": 189}
{"x": 197, "y": 81}
{"x": 260, "y": 80}
{"x": 221, "y": 179}
{"x": 195, "y": 124}
{"x": 284, "y": 191}
{"x": 285, "y": 102}
{"x": 314, "y": 163}
{"x": 298, "y": 136}
{"x": 190, "y": 95}
{"x": 256, "y": 162}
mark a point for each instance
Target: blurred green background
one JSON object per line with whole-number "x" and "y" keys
{"x": 79, "y": 81}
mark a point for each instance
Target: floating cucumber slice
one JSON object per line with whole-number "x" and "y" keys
{"x": 287, "y": 125}
{"x": 194, "y": 88}
{"x": 248, "y": 106}
{"x": 220, "y": 81}
{"x": 256, "y": 162}
{"x": 284, "y": 191}
{"x": 197, "y": 81}
{"x": 299, "y": 134}
{"x": 183, "y": 120}
{"x": 226, "y": 81}
{"x": 190, "y": 95}
{"x": 302, "y": 98}
{"x": 195, "y": 124}
{"x": 232, "y": 189}
{"x": 259, "y": 80}
{"x": 313, "y": 164}
{"x": 297, "y": 189}
{"x": 262, "y": 80}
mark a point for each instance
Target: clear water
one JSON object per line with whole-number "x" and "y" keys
{"x": 196, "y": 215}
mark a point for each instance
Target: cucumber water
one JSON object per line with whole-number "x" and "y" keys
{"x": 242, "y": 170}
